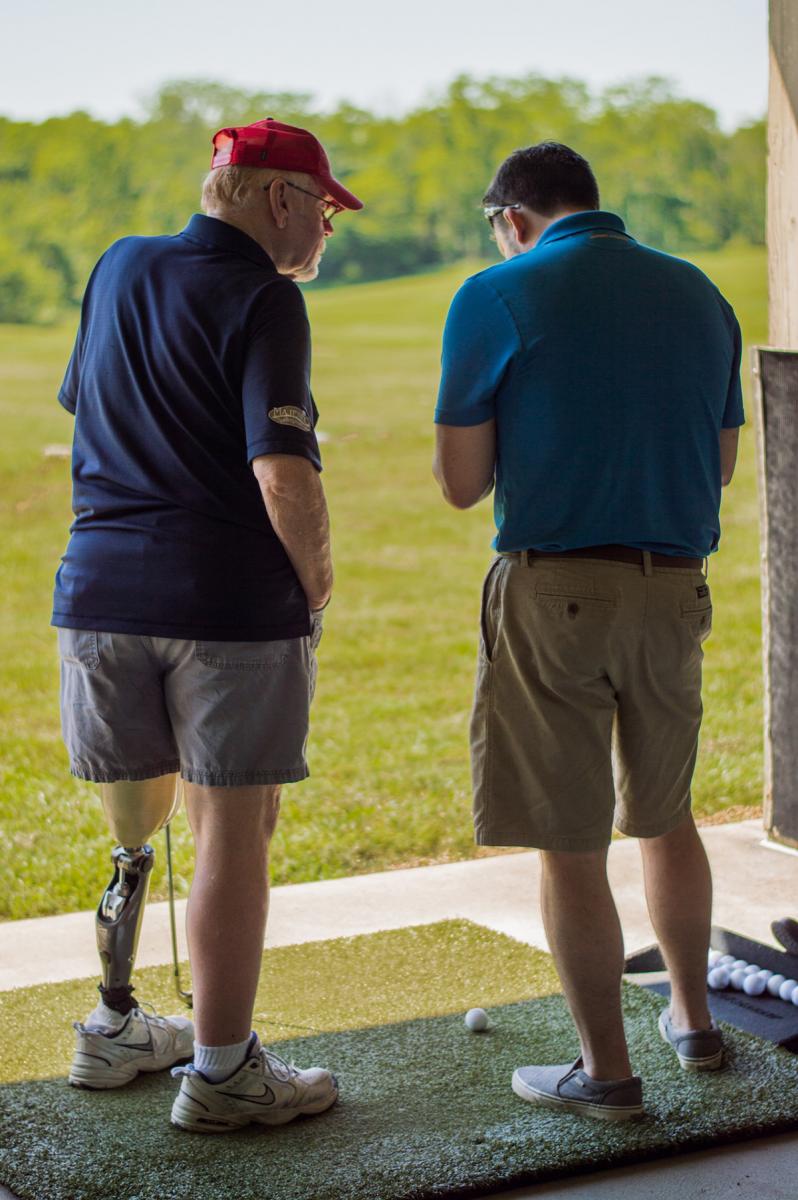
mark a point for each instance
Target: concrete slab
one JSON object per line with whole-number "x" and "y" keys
{"x": 753, "y": 884}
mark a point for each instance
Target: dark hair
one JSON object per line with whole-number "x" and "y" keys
{"x": 545, "y": 178}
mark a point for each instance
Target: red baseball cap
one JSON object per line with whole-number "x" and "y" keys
{"x": 269, "y": 143}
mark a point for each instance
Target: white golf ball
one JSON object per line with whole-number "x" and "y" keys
{"x": 765, "y": 974}
{"x": 774, "y": 983}
{"x": 718, "y": 978}
{"x": 739, "y": 964}
{"x": 787, "y": 988}
{"x": 713, "y": 957}
{"x": 754, "y": 985}
{"x": 476, "y": 1019}
{"x": 726, "y": 960}
{"x": 738, "y": 977}
{"x": 794, "y": 997}
{"x": 752, "y": 969}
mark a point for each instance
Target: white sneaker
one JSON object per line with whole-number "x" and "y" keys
{"x": 264, "y": 1089}
{"x": 106, "y": 1058}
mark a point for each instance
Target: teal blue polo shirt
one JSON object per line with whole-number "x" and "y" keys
{"x": 610, "y": 369}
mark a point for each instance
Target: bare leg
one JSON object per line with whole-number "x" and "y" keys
{"x": 679, "y": 898}
{"x": 227, "y": 908}
{"x": 585, "y": 938}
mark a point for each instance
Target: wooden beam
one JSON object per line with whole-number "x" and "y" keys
{"x": 782, "y": 220}
{"x": 776, "y": 409}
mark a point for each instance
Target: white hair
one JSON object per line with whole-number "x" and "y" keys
{"x": 233, "y": 186}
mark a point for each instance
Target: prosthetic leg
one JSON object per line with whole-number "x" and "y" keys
{"x": 135, "y": 811}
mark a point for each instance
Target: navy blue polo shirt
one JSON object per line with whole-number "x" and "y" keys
{"x": 192, "y": 358}
{"x": 610, "y": 369}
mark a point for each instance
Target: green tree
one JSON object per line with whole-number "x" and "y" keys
{"x": 70, "y": 186}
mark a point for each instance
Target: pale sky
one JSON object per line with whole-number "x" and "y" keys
{"x": 104, "y": 56}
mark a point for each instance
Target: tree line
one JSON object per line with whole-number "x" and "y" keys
{"x": 69, "y": 186}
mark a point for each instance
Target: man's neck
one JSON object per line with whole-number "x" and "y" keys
{"x": 249, "y": 225}
{"x": 541, "y": 224}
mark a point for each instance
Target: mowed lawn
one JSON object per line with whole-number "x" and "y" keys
{"x": 389, "y": 760}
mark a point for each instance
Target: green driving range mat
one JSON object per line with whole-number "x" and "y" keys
{"x": 426, "y": 1108}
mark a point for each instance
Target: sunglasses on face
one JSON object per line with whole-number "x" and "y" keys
{"x": 492, "y": 210}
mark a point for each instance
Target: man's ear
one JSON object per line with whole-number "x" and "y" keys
{"x": 278, "y": 203}
{"x": 520, "y": 225}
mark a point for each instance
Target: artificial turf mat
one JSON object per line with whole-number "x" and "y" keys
{"x": 426, "y": 1109}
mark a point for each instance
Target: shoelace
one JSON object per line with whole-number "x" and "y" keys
{"x": 288, "y": 1069}
{"x": 150, "y": 1017}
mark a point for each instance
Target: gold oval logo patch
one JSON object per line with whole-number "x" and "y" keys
{"x": 289, "y": 414}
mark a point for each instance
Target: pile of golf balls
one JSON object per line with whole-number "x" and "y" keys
{"x": 724, "y": 970}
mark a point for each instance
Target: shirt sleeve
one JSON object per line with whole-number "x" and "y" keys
{"x": 279, "y": 413}
{"x": 734, "y": 413}
{"x": 479, "y": 341}
{"x": 68, "y": 392}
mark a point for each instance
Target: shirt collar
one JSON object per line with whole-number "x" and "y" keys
{"x": 210, "y": 231}
{"x": 582, "y": 222}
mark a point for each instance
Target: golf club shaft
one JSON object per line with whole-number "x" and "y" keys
{"x": 186, "y": 997}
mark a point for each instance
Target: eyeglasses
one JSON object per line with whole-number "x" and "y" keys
{"x": 330, "y": 210}
{"x": 493, "y": 210}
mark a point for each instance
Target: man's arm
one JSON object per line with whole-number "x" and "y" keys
{"x": 465, "y": 462}
{"x": 294, "y": 497}
{"x": 728, "y": 454}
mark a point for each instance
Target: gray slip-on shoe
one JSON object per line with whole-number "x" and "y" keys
{"x": 569, "y": 1088}
{"x": 696, "y": 1049}
{"x": 786, "y": 932}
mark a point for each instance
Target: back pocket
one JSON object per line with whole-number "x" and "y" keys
{"x": 572, "y": 598}
{"x": 241, "y": 656}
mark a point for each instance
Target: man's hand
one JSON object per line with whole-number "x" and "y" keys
{"x": 465, "y": 462}
{"x": 294, "y": 498}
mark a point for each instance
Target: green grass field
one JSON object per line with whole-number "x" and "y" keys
{"x": 389, "y": 743}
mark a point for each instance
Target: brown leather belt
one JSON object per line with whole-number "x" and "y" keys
{"x": 624, "y": 554}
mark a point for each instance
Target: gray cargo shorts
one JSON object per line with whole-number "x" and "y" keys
{"x": 222, "y": 714}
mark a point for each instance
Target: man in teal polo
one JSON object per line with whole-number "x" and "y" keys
{"x": 596, "y": 383}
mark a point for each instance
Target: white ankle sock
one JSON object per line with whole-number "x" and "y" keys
{"x": 217, "y": 1062}
{"x": 104, "y": 1017}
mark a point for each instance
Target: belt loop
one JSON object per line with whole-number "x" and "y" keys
{"x": 525, "y": 558}
{"x": 706, "y": 567}
{"x": 648, "y": 570}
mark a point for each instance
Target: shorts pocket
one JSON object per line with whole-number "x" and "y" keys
{"x": 316, "y": 628}
{"x": 241, "y": 656}
{"x": 79, "y": 647}
{"x": 572, "y": 599}
{"x": 490, "y": 611}
{"x": 699, "y": 621}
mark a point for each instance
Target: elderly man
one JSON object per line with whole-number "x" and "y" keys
{"x": 598, "y": 381}
{"x": 189, "y": 599}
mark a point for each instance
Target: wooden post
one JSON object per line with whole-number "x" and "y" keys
{"x": 776, "y": 404}
{"x": 782, "y": 221}
{"x": 775, "y": 374}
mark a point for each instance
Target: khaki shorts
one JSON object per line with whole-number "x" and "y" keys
{"x": 223, "y": 714}
{"x": 588, "y": 701}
